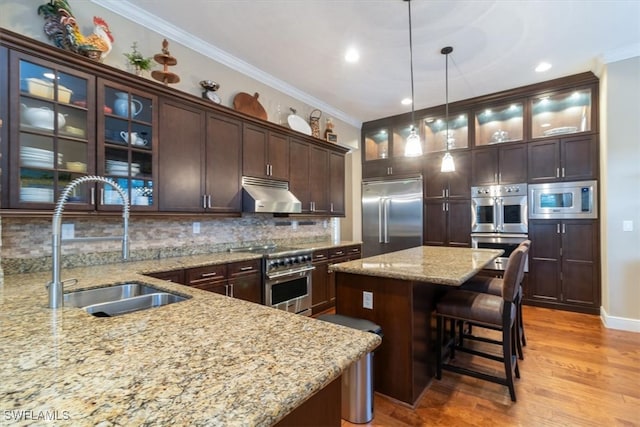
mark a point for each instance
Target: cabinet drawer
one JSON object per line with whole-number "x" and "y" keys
{"x": 175, "y": 276}
{"x": 320, "y": 256}
{"x": 344, "y": 251}
{"x": 203, "y": 275}
{"x": 243, "y": 267}
{"x": 218, "y": 287}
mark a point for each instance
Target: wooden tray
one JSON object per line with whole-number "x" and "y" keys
{"x": 249, "y": 104}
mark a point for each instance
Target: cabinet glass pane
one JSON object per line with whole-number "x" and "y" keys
{"x": 127, "y": 105}
{"x": 500, "y": 123}
{"x": 47, "y": 83}
{"x": 142, "y": 192}
{"x": 563, "y": 113}
{"x": 36, "y": 186}
{"x": 73, "y": 155}
{"x": 376, "y": 145}
{"x": 36, "y": 151}
{"x": 434, "y": 130}
{"x": 400, "y": 136}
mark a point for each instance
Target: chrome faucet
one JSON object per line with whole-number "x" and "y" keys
{"x": 56, "y": 285}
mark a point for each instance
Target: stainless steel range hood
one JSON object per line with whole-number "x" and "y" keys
{"x": 268, "y": 196}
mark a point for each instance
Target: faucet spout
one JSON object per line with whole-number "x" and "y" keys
{"x": 56, "y": 284}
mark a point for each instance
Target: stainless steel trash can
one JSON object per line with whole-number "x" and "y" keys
{"x": 357, "y": 381}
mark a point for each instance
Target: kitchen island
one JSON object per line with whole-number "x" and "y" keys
{"x": 209, "y": 360}
{"x": 400, "y": 290}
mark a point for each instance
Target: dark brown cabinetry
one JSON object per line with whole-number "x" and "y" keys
{"x": 323, "y": 293}
{"x": 447, "y": 207}
{"x": 336, "y": 184}
{"x": 175, "y": 276}
{"x": 506, "y": 164}
{"x": 199, "y": 160}
{"x": 308, "y": 173}
{"x": 265, "y": 153}
{"x": 241, "y": 279}
{"x": 564, "y": 265}
{"x": 566, "y": 159}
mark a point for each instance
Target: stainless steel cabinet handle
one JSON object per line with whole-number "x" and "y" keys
{"x": 447, "y": 206}
{"x": 443, "y": 208}
{"x": 563, "y": 172}
{"x": 331, "y": 207}
{"x": 558, "y": 228}
{"x": 226, "y": 290}
{"x": 446, "y": 192}
{"x": 495, "y": 176}
{"x": 443, "y": 193}
{"x": 102, "y": 196}
{"x": 208, "y": 274}
{"x": 557, "y": 172}
{"x": 246, "y": 268}
{"x": 93, "y": 196}
{"x": 340, "y": 253}
{"x": 500, "y": 177}
{"x": 231, "y": 288}
{"x": 209, "y": 201}
{"x": 204, "y": 201}
{"x": 564, "y": 230}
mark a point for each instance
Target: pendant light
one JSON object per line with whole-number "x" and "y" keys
{"x": 447, "y": 161}
{"x": 413, "y": 146}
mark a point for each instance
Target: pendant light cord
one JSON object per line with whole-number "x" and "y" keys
{"x": 413, "y": 118}
{"x": 446, "y": 98}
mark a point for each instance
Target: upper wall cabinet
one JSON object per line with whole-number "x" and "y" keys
{"x": 383, "y": 153}
{"x": 499, "y": 123}
{"x": 434, "y": 129}
{"x": 127, "y": 141}
{"x": 265, "y": 153}
{"x": 52, "y": 135}
{"x": 561, "y": 113}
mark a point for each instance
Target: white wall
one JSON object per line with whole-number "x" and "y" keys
{"x": 620, "y": 198}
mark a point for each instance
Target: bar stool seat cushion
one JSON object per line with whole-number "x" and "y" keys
{"x": 473, "y": 306}
{"x": 484, "y": 284}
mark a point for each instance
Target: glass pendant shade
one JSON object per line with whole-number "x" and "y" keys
{"x": 447, "y": 163}
{"x": 413, "y": 146}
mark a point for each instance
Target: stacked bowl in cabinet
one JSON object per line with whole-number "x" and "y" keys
{"x": 38, "y": 157}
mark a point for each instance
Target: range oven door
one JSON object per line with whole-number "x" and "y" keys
{"x": 484, "y": 215}
{"x": 290, "y": 291}
{"x": 507, "y": 242}
{"x": 512, "y": 214}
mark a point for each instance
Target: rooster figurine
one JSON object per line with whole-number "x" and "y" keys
{"x": 60, "y": 25}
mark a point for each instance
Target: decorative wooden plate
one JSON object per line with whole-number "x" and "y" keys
{"x": 249, "y": 104}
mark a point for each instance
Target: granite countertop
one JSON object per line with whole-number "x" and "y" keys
{"x": 209, "y": 360}
{"x": 317, "y": 246}
{"x": 433, "y": 264}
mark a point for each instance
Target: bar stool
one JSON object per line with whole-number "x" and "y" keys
{"x": 485, "y": 310}
{"x": 493, "y": 286}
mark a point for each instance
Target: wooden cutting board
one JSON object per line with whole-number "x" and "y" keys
{"x": 249, "y": 104}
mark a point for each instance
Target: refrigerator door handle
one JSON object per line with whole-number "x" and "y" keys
{"x": 380, "y": 220}
{"x": 386, "y": 220}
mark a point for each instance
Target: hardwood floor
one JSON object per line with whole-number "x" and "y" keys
{"x": 575, "y": 373}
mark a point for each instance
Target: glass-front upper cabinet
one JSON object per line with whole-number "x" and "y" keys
{"x": 561, "y": 113}
{"x": 127, "y": 129}
{"x": 434, "y": 129}
{"x": 499, "y": 123}
{"x": 376, "y": 144}
{"x": 52, "y": 136}
{"x": 399, "y": 139}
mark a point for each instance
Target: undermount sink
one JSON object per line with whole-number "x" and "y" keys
{"x": 122, "y": 298}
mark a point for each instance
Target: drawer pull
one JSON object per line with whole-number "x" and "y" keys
{"x": 209, "y": 274}
{"x": 246, "y": 268}
{"x": 340, "y": 253}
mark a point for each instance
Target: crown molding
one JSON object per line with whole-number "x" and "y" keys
{"x": 170, "y": 31}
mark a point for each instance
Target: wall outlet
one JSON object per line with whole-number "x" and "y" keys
{"x": 294, "y": 225}
{"x": 196, "y": 228}
{"x": 367, "y": 300}
{"x": 627, "y": 225}
{"x": 68, "y": 231}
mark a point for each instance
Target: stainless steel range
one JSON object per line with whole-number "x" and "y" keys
{"x": 286, "y": 277}
{"x": 499, "y": 220}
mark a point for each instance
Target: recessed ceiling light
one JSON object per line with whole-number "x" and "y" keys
{"x": 406, "y": 101}
{"x": 542, "y": 67}
{"x": 352, "y": 55}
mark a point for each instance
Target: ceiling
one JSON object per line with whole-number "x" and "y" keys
{"x": 298, "y": 46}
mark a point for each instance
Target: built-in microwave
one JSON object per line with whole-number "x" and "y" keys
{"x": 564, "y": 200}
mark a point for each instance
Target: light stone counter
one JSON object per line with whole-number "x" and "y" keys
{"x": 210, "y": 360}
{"x": 433, "y": 264}
{"x": 317, "y": 246}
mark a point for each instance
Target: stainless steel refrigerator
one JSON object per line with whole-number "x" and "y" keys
{"x": 391, "y": 215}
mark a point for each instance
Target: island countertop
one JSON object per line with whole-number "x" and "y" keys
{"x": 434, "y": 264}
{"x": 209, "y": 360}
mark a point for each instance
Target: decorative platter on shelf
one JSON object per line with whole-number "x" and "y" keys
{"x": 298, "y": 123}
{"x": 249, "y": 104}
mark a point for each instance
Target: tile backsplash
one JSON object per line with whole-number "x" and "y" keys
{"x": 26, "y": 243}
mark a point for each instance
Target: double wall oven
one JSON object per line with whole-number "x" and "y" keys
{"x": 286, "y": 277}
{"x": 499, "y": 219}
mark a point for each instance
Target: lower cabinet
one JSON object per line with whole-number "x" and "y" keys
{"x": 564, "y": 265}
{"x": 323, "y": 291}
{"x": 242, "y": 279}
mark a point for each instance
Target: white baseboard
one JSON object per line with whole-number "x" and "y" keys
{"x": 622, "y": 323}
